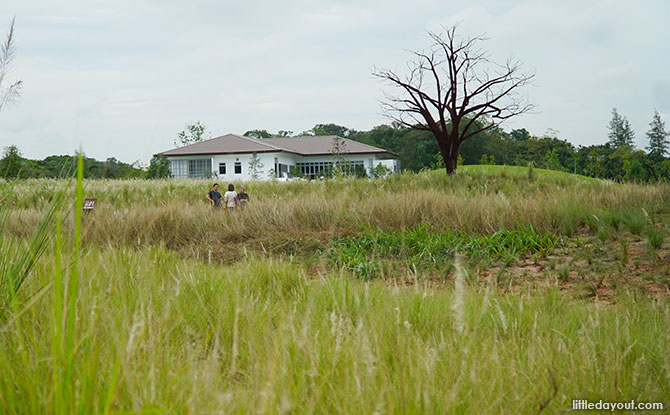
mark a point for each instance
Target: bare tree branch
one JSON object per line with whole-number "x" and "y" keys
{"x": 455, "y": 91}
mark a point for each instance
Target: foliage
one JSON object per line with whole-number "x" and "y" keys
{"x": 658, "y": 137}
{"x": 425, "y": 247}
{"x": 267, "y": 134}
{"x": 655, "y": 237}
{"x": 332, "y": 129}
{"x": 258, "y": 134}
{"x": 550, "y": 160}
{"x": 64, "y": 166}
{"x": 11, "y": 163}
{"x": 159, "y": 167}
{"x": 380, "y": 171}
{"x": 255, "y": 166}
{"x": 620, "y": 132}
{"x": 194, "y": 132}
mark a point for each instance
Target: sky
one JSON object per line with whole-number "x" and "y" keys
{"x": 121, "y": 79}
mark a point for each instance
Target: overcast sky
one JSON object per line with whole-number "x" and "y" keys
{"x": 121, "y": 78}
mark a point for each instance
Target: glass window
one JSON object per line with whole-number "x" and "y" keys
{"x": 238, "y": 167}
{"x": 199, "y": 168}
{"x": 179, "y": 169}
{"x": 222, "y": 168}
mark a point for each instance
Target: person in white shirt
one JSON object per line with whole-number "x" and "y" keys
{"x": 230, "y": 197}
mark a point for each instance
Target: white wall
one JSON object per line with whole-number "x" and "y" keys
{"x": 268, "y": 161}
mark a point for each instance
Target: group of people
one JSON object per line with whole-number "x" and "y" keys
{"x": 230, "y": 200}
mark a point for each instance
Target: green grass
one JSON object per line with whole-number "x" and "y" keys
{"x": 157, "y": 334}
{"x": 129, "y": 310}
{"x": 424, "y": 248}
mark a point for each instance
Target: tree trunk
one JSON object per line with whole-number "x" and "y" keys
{"x": 449, "y": 151}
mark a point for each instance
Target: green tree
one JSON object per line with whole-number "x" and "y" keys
{"x": 258, "y": 134}
{"x": 11, "y": 162}
{"x": 255, "y": 166}
{"x": 159, "y": 167}
{"x": 194, "y": 133}
{"x": 331, "y": 129}
{"x": 550, "y": 160}
{"x": 520, "y": 134}
{"x": 621, "y": 134}
{"x": 12, "y": 92}
{"x": 658, "y": 137}
{"x": 380, "y": 171}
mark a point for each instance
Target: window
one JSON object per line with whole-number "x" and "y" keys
{"x": 183, "y": 169}
{"x": 238, "y": 167}
{"x": 179, "y": 169}
{"x": 316, "y": 169}
{"x": 199, "y": 168}
{"x": 222, "y": 168}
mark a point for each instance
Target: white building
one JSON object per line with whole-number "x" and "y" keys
{"x": 229, "y": 157}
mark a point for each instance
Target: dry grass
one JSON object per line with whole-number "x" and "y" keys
{"x": 299, "y": 216}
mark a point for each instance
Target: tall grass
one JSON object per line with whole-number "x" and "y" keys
{"x": 300, "y": 216}
{"x": 18, "y": 257}
{"x": 136, "y": 329}
{"x": 157, "y": 334}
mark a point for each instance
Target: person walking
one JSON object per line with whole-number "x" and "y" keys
{"x": 214, "y": 196}
{"x": 230, "y": 197}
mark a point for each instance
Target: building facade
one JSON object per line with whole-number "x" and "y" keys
{"x": 238, "y": 158}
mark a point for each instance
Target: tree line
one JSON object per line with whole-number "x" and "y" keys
{"x": 616, "y": 159}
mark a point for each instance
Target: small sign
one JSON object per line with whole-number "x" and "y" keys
{"x": 89, "y": 204}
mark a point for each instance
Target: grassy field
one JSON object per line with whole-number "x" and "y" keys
{"x": 497, "y": 290}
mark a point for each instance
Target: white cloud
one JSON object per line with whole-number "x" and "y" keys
{"x": 122, "y": 78}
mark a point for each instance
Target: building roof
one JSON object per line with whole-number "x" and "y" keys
{"x": 303, "y": 146}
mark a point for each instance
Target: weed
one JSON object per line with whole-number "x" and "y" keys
{"x": 635, "y": 221}
{"x": 604, "y": 234}
{"x": 425, "y": 248}
{"x": 655, "y": 237}
{"x": 623, "y": 254}
{"x": 613, "y": 218}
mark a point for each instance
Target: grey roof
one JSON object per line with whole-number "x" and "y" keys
{"x": 226, "y": 144}
{"x": 304, "y": 146}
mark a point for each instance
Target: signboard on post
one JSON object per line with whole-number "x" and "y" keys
{"x": 89, "y": 204}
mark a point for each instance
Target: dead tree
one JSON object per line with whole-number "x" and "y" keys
{"x": 454, "y": 91}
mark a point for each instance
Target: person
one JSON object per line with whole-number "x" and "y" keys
{"x": 214, "y": 196}
{"x": 230, "y": 197}
{"x": 242, "y": 197}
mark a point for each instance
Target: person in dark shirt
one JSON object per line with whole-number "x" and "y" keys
{"x": 214, "y": 196}
{"x": 243, "y": 197}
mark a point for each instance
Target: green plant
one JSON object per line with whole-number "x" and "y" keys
{"x": 380, "y": 171}
{"x": 655, "y": 237}
{"x": 635, "y": 221}
{"x": 613, "y": 218}
{"x": 623, "y": 257}
{"x": 18, "y": 259}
